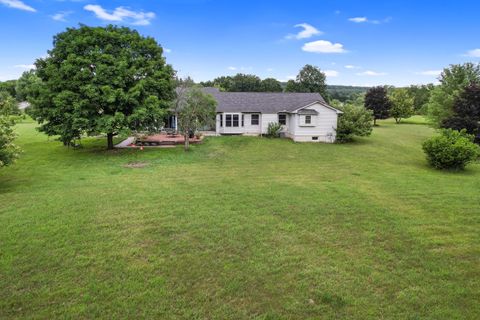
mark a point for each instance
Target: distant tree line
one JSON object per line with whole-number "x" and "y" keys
{"x": 309, "y": 79}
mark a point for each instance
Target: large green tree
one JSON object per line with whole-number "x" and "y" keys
{"x": 309, "y": 79}
{"x": 376, "y": 99}
{"x": 102, "y": 80}
{"x": 453, "y": 81}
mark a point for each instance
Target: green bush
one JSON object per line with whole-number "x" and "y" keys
{"x": 355, "y": 121}
{"x": 451, "y": 150}
{"x": 273, "y": 130}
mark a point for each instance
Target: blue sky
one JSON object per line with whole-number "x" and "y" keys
{"x": 355, "y": 42}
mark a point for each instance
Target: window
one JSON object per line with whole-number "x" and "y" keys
{"x": 235, "y": 120}
{"x": 243, "y": 120}
{"x": 228, "y": 120}
{"x": 282, "y": 119}
{"x": 308, "y": 119}
{"x": 315, "y": 138}
{"x": 255, "y": 119}
{"x": 221, "y": 120}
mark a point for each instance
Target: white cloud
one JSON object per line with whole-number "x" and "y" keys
{"x": 371, "y": 73}
{"x": 358, "y": 19}
{"x": 429, "y": 72}
{"x": 350, "y": 66}
{"x": 323, "y": 46}
{"x": 232, "y": 68}
{"x": 121, "y": 14}
{"x": 270, "y": 69}
{"x": 475, "y": 53}
{"x": 61, "y": 16}
{"x": 17, "y": 4}
{"x": 331, "y": 73}
{"x": 166, "y": 50}
{"x": 25, "y": 66}
{"x": 366, "y": 20}
{"x": 307, "y": 32}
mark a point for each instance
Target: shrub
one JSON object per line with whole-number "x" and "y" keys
{"x": 273, "y": 130}
{"x": 355, "y": 121}
{"x": 451, "y": 150}
{"x": 8, "y": 151}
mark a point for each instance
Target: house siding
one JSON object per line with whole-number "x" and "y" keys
{"x": 322, "y": 127}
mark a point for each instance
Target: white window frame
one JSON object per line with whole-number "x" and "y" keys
{"x": 303, "y": 120}
{"x": 232, "y": 115}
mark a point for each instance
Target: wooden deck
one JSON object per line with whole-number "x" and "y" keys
{"x": 163, "y": 139}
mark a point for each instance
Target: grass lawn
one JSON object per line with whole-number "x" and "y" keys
{"x": 239, "y": 228}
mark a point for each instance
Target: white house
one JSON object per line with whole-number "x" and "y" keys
{"x": 303, "y": 116}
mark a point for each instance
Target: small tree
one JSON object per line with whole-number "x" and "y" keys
{"x": 355, "y": 121}
{"x": 196, "y": 111}
{"x": 8, "y": 105}
{"x": 451, "y": 150}
{"x": 466, "y": 112}
{"x": 376, "y": 99}
{"x": 402, "y": 105}
{"x": 8, "y": 151}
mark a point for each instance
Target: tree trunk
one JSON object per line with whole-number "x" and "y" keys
{"x": 187, "y": 142}
{"x": 109, "y": 141}
{"x": 374, "y": 121}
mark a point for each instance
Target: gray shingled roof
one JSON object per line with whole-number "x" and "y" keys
{"x": 264, "y": 102}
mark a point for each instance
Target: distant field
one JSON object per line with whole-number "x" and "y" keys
{"x": 239, "y": 228}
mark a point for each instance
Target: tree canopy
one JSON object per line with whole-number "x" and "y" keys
{"x": 402, "y": 104}
{"x": 271, "y": 85}
{"x": 8, "y": 151}
{"x": 376, "y": 99}
{"x": 466, "y": 112}
{"x": 309, "y": 79}
{"x": 453, "y": 80}
{"x": 102, "y": 80}
{"x": 26, "y": 85}
{"x": 195, "y": 109}
{"x": 355, "y": 121}
{"x": 8, "y": 105}
{"x": 244, "y": 83}
{"x": 8, "y": 86}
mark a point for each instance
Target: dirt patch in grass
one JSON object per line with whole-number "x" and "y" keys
{"x": 134, "y": 165}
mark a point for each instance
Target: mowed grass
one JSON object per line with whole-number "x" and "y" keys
{"x": 239, "y": 228}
